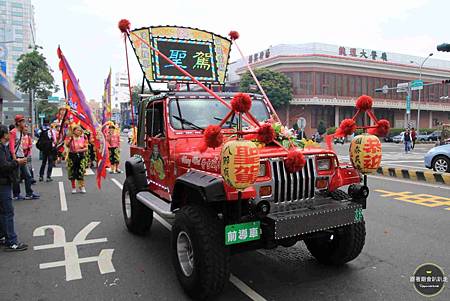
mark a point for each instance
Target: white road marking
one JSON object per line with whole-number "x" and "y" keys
{"x": 62, "y": 196}
{"x": 89, "y": 172}
{"x": 57, "y": 172}
{"x": 403, "y": 161}
{"x": 407, "y": 166}
{"x": 233, "y": 279}
{"x": 246, "y": 289}
{"x": 71, "y": 260}
{"x": 386, "y": 178}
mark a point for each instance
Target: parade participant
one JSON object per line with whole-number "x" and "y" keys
{"x": 407, "y": 141}
{"x": 91, "y": 149}
{"x": 113, "y": 140}
{"x": 16, "y": 148}
{"x": 77, "y": 159}
{"x": 8, "y": 166}
{"x": 27, "y": 148}
{"x": 46, "y": 144}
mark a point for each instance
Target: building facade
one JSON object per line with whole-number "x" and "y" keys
{"x": 121, "y": 94}
{"x": 17, "y": 34}
{"x": 327, "y": 79}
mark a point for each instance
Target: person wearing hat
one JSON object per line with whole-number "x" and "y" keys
{"x": 8, "y": 167}
{"x": 77, "y": 161}
{"x": 16, "y": 147}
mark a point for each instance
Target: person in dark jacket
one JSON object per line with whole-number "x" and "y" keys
{"x": 8, "y": 168}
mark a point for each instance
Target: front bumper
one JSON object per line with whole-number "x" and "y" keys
{"x": 301, "y": 221}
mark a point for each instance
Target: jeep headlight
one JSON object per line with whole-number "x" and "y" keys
{"x": 323, "y": 164}
{"x": 262, "y": 169}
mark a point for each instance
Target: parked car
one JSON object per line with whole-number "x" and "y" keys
{"x": 435, "y": 136}
{"x": 438, "y": 158}
{"x": 388, "y": 138}
{"x": 423, "y": 137}
{"x": 398, "y": 138}
{"x": 340, "y": 140}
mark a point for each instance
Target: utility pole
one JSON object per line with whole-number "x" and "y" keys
{"x": 418, "y": 104}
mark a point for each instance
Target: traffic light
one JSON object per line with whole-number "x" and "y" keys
{"x": 445, "y": 47}
{"x": 446, "y": 81}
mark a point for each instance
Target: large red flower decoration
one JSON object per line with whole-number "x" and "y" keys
{"x": 364, "y": 103}
{"x": 124, "y": 25}
{"x": 266, "y": 133}
{"x": 347, "y": 127}
{"x": 241, "y": 103}
{"x": 294, "y": 161}
{"x": 382, "y": 129}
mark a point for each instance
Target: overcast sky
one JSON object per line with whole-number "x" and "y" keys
{"x": 88, "y": 34}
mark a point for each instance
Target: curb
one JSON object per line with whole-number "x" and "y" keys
{"x": 415, "y": 175}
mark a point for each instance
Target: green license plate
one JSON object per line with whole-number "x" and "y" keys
{"x": 239, "y": 233}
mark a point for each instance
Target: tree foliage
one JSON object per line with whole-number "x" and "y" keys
{"x": 321, "y": 128}
{"x": 34, "y": 74}
{"x": 276, "y": 85}
{"x": 49, "y": 109}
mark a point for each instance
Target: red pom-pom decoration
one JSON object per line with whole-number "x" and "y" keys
{"x": 213, "y": 136}
{"x": 234, "y": 35}
{"x": 241, "y": 103}
{"x": 364, "y": 103}
{"x": 294, "y": 161}
{"x": 266, "y": 133}
{"x": 382, "y": 129}
{"x": 124, "y": 25}
{"x": 347, "y": 127}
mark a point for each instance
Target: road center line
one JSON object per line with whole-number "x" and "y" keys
{"x": 62, "y": 196}
{"x": 233, "y": 279}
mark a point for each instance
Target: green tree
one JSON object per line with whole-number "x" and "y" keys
{"x": 321, "y": 128}
{"x": 46, "y": 108}
{"x": 34, "y": 76}
{"x": 276, "y": 85}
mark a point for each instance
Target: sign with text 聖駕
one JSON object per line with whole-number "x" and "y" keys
{"x": 195, "y": 57}
{"x": 201, "y": 53}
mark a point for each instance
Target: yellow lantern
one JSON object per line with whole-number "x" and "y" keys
{"x": 365, "y": 153}
{"x": 239, "y": 163}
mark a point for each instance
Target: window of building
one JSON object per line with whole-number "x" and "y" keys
{"x": 18, "y": 109}
{"x": 17, "y": 4}
{"x": 18, "y": 49}
{"x": 17, "y": 13}
{"x": 17, "y": 22}
{"x": 2, "y": 3}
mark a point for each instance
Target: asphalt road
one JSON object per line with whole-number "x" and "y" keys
{"x": 407, "y": 225}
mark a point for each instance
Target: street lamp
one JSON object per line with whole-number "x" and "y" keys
{"x": 418, "y": 104}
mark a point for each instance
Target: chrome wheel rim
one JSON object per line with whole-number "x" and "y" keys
{"x": 185, "y": 253}
{"x": 441, "y": 165}
{"x": 127, "y": 203}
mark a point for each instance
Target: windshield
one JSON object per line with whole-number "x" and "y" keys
{"x": 199, "y": 113}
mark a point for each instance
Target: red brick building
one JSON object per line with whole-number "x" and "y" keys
{"x": 326, "y": 80}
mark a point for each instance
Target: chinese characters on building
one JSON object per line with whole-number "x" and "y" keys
{"x": 366, "y": 54}
{"x": 259, "y": 56}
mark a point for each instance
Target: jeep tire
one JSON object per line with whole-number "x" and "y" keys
{"x": 138, "y": 218}
{"x": 199, "y": 255}
{"x": 340, "y": 245}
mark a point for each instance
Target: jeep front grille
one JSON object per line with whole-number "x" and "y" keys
{"x": 295, "y": 186}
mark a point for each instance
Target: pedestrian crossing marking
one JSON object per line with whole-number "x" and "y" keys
{"x": 57, "y": 172}
{"x": 423, "y": 199}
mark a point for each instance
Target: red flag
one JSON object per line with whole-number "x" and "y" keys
{"x": 80, "y": 110}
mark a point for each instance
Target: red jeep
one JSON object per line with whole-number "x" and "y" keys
{"x": 168, "y": 175}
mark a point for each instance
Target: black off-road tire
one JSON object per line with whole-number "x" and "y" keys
{"x": 210, "y": 269}
{"x": 342, "y": 245}
{"x": 141, "y": 217}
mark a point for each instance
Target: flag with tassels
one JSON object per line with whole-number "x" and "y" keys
{"x": 80, "y": 109}
{"x": 106, "y": 112}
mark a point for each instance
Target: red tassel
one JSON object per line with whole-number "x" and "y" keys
{"x": 241, "y": 103}
{"x": 213, "y": 136}
{"x": 347, "y": 127}
{"x": 124, "y": 25}
{"x": 294, "y": 161}
{"x": 266, "y": 133}
{"x": 364, "y": 103}
{"x": 234, "y": 35}
{"x": 382, "y": 129}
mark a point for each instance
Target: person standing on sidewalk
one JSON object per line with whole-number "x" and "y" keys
{"x": 413, "y": 137}
{"x": 407, "y": 141}
{"x": 8, "y": 167}
{"x": 46, "y": 144}
{"x": 16, "y": 148}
